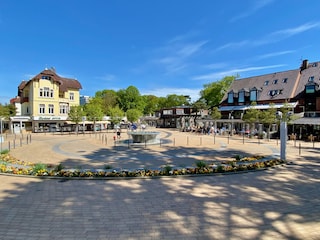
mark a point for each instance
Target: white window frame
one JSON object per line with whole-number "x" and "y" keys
{"x": 42, "y": 108}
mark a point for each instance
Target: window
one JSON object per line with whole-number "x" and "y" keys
{"x": 275, "y": 81}
{"x": 41, "y": 92}
{"x": 273, "y": 92}
{"x": 46, "y": 77}
{"x": 167, "y": 112}
{"x": 310, "y": 89}
{"x": 285, "y": 80}
{"x": 230, "y": 97}
{"x": 46, "y": 91}
{"x": 63, "y": 108}
{"x": 266, "y": 83}
{"x": 253, "y": 95}
{"x": 71, "y": 96}
{"x": 311, "y": 79}
{"x": 241, "y": 97}
{"x": 42, "y": 108}
{"x": 51, "y": 108}
{"x": 51, "y": 93}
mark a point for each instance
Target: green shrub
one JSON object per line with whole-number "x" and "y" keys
{"x": 201, "y": 164}
{"x": 167, "y": 169}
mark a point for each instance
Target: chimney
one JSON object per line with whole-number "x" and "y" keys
{"x": 304, "y": 65}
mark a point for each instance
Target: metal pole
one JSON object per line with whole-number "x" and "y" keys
{"x": 283, "y": 137}
{"x": 1, "y": 139}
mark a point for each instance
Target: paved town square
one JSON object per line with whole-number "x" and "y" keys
{"x": 277, "y": 203}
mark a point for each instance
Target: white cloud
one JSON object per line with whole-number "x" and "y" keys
{"x": 232, "y": 72}
{"x": 275, "y": 54}
{"x": 257, "y": 5}
{"x": 174, "y": 57}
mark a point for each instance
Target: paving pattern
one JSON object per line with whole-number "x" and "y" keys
{"x": 278, "y": 203}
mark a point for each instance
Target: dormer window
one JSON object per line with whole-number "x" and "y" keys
{"x": 46, "y": 77}
{"x": 253, "y": 95}
{"x": 285, "y": 80}
{"x": 310, "y": 89}
{"x": 311, "y": 79}
{"x": 230, "y": 97}
{"x": 241, "y": 96}
{"x": 275, "y": 81}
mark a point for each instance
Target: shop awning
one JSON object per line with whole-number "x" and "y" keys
{"x": 307, "y": 121}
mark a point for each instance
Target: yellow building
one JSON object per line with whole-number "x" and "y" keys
{"x": 45, "y": 101}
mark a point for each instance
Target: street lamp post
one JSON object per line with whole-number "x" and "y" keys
{"x": 283, "y": 136}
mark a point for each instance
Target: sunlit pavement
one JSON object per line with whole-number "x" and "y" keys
{"x": 278, "y": 203}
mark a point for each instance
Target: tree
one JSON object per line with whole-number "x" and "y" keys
{"x": 215, "y": 114}
{"x": 108, "y": 98}
{"x": 75, "y": 115}
{"x": 268, "y": 117}
{"x": 94, "y": 111}
{"x": 115, "y": 114}
{"x": 173, "y": 100}
{"x": 130, "y": 98}
{"x": 252, "y": 116}
{"x": 213, "y": 92}
{"x": 199, "y": 105}
{"x": 133, "y": 115}
{"x": 151, "y": 104}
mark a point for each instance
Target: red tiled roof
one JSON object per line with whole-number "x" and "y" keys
{"x": 64, "y": 83}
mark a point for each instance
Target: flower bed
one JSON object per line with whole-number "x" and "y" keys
{"x": 10, "y": 165}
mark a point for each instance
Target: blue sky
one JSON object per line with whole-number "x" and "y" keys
{"x": 159, "y": 46}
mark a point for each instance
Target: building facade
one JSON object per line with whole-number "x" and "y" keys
{"x": 44, "y": 102}
{"x": 297, "y": 89}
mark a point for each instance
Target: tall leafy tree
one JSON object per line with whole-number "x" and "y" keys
{"x": 115, "y": 114}
{"x": 94, "y": 111}
{"x": 133, "y": 115}
{"x": 268, "y": 117}
{"x": 75, "y": 115}
{"x": 130, "y": 98}
{"x": 108, "y": 98}
{"x": 151, "y": 104}
{"x": 252, "y": 116}
{"x": 213, "y": 92}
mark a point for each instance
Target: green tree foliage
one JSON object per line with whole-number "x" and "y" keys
{"x": 252, "y": 115}
{"x": 133, "y": 115}
{"x": 94, "y": 111}
{"x": 199, "y": 105}
{"x": 268, "y": 117}
{"x": 130, "y": 98}
{"x": 7, "y": 110}
{"x": 174, "y": 100}
{"x": 109, "y": 99}
{"x": 151, "y": 104}
{"x": 213, "y": 92}
{"x": 116, "y": 114}
{"x": 215, "y": 114}
{"x": 75, "y": 115}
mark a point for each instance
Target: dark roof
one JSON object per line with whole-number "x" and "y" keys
{"x": 266, "y": 83}
{"x": 64, "y": 83}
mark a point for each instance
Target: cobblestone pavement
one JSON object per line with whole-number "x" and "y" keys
{"x": 278, "y": 203}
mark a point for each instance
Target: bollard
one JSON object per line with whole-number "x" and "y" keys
{"x": 187, "y": 140}
{"x": 228, "y": 138}
{"x": 145, "y": 144}
{"x": 214, "y": 138}
{"x": 160, "y": 142}
{"x": 14, "y": 144}
{"x": 27, "y": 139}
{"x": 9, "y": 146}
{"x": 200, "y": 141}
{"x": 299, "y": 149}
{"x": 20, "y": 142}
{"x": 174, "y": 141}
{"x": 313, "y": 143}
